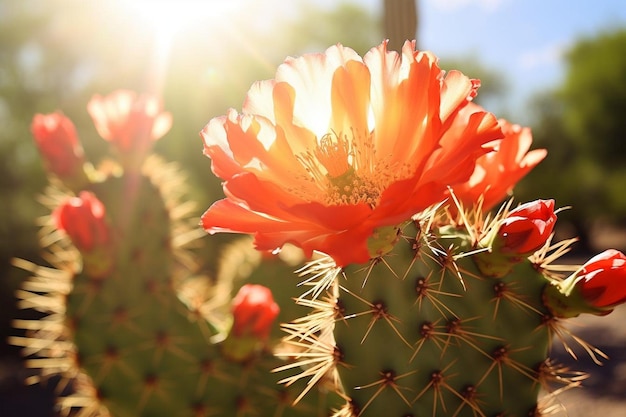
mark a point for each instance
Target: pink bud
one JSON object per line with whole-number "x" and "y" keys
{"x": 526, "y": 228}
{"x": 254, "y": 311}
{"x": 56, "y": 138}
{"x": 82, "y": 218}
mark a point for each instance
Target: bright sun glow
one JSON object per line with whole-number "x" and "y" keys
{"x": 170, "y": 15}
{"x": 166, "y": 18}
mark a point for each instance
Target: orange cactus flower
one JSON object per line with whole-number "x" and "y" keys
{"x": 497, "y": 172}
{"x": 336, "y": 149}
{"x": 57, "y": 141}
{"x": 130, "y": 122}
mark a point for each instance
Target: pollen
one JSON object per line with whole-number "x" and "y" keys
{"x": 347, "y": 171}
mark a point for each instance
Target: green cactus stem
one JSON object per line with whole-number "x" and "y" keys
{"x": 421, "y": 331}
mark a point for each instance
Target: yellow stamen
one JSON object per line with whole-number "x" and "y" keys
{"x": 348, "y": 171}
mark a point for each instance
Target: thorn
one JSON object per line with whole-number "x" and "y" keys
{"x": 438, "y": 381}
{"x": 388, "y": 379}
{"x": 425, "y": 290}
{"x": 556, "y": 327}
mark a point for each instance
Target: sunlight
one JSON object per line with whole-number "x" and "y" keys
{"x": 170, "y": 15}
{"x": 166, "y": 18}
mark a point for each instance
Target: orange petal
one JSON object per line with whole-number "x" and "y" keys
{"x": 350, "y": 94}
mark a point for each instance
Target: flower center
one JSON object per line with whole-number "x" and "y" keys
{"x": 347, "y": 170}
{"x": 333, "y": 153}
{"x": 349, "y": 188}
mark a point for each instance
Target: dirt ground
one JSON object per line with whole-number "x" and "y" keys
{"x": 603, "y": 394}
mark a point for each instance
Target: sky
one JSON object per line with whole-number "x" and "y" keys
{"x": 523, "y": 39}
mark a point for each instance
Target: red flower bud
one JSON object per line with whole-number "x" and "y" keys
{"x": 56, "y": 138}
{"x": 602, "y": 280}
{"x": 254, "y": 312}
{"x": 596, "y": 288}
{"x": 82, "y": 218}
{"x": 526, "y": 228}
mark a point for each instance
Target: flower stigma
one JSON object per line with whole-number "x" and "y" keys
{"x": 348, "y": 171}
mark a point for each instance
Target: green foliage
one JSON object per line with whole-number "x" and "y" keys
{"x": 581, "y": 124}
{"x": 595, "y": 95}
{"x": 347, "y": 23}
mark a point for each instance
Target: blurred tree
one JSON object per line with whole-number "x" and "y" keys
{"x": 582, "y": 125}
{"x": 315, "y": 27}
{"x": 595, "y": 95}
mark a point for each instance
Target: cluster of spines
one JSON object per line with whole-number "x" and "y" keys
{"x": 435, "y": 264}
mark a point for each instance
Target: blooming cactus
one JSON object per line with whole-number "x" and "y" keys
{"x": 337, "y": 148}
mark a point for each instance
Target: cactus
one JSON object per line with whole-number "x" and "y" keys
{"x": 426, "y": 329}
{"x": 130, "y": 321}
{"x": 412, "y": 295}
